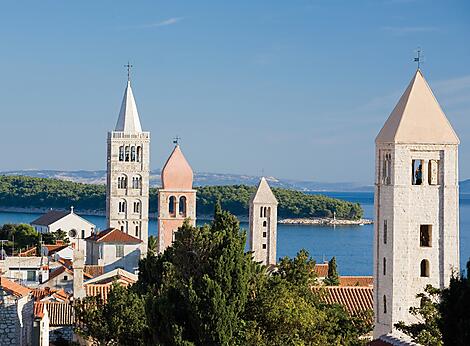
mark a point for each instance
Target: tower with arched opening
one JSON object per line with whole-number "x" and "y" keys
{"x": 263, "y": 224}
{"x": 127, "y": 189}
{"x": 176, "y": 198}
{"x": 416, "y": 238}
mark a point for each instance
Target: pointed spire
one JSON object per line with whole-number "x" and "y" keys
{"x": 417, "y": 118}
{"x": 177, "y": 173}
{"x": 128, "y": 120}
{"x": 263, "y": 193}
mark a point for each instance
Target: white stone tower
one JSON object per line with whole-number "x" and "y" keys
{"x": 176, "y": 198}
{"x": 127, "y": 189}
{"x": 263, "y": 224}
{"x": 416, "y": 239}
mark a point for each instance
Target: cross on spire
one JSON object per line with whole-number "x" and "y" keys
{"x": 176, "y": 140}
{"x": 129, "y": 66}
{"x": 418, "y": 57}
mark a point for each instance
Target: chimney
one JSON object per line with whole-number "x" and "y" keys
{"x": 78, "y": 268}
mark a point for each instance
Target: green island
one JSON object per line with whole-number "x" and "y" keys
{"x": 29, "y": 192}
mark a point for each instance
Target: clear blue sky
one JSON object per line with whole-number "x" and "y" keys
{"x": 297, "y": 88}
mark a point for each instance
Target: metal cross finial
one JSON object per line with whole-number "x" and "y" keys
{"x": 176, "y": 140}
{"x": 418, "y": 57}
{"x": 129, "y": 66}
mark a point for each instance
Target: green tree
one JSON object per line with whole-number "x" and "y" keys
{"x": 20, "y": 236}
{"x": 118, "y": 321}
{"x": 152, "y": 245}
{"x": 333, "y": 277}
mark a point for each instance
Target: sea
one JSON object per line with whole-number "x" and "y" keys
{"x": 351, "y": 245}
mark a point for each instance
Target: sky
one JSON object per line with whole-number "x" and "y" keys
{"x": 291, "y": 89}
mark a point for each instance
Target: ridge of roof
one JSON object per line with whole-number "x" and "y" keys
{"x": 113, "y": 235}
{"x": 50, "y": 217}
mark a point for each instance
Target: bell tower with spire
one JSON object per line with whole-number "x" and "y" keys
{"x": 416, "y": 229}
{"x": 128, "y": 156}
{"x": 176, "y": 198}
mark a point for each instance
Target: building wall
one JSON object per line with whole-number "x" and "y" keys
{"x": 263, "y": 235}
{"x": 168, "y": 223}
{"x": 16, "y": 320}
{"x": 406, "y": 207}
{"x": 128, "y": 220}
{"x": 104, "y": 254}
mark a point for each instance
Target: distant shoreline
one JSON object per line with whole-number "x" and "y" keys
{"x": 242, "y": 218}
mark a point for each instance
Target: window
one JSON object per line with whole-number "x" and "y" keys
{"x": 425, "y": 235}
{"x": 387, "y": 168}
{"x": 137, "y": 207}
{"x": 133, "y": 153}
{"x": 173, "y": 235}
{"x": 172, "y": 206}
{"x": 264, "y": 246}
{"x": 385, "y": 304}
{"x": 119, "y": 250}
{"x": 261, "y": 212}
{"x": 264, "y": 211}
{"x": 83, "y": 234}
{"x": 65, "y": 278}
{"x": 122, "y": 206}
{"x": 182, "y": 206}
{"x": 136, "y": 182}
{"x": 433, "y": 172}
{"x": 137, "y": 231}
{"x": 265, "y": 223}
{"x": 121, "y": 153}
{"x": 264, "y": 234}
{"x": 385, "y": 266}
{"x": 139, "y": 153}
{"x": 127, "y": 153}
{"x": 385, "y": 231}
{"x": 122, "y": 182}
{"x": 424, "y": 268}
{"x": 122, "y": 228}
{"x": 31, "y": 275}
{"x": 417, "y": 172}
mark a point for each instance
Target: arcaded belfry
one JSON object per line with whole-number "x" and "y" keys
{"x": 263, "y": 224}
{"x": 176, "y": 198}
{"x": 416, "y": 240}
{"x": 127, "y": 189}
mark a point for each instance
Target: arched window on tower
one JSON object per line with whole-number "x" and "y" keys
{"x": 133, "y": 153}
{"x": 265, "y": 223}
{"x": 261, "y": 212}
{"x": 137, "y": 207}
{"x": 121, "y": 153}
{"x": 425, "y": 235}
{"x": 136, "y": 182}
{"x": 127, "y": 154}
{"x": 385, "y": 266}
{"x": 172, "y": 206}
{"x": 424, "y": 268}
{"x": 122, "y": 206}
{"x": 264, "y": 211}
{"x": 122, "y": 182}
{"x": 385, "y": 304}
{"x": 139, "y": 153}
{"x": 182, "y": 206}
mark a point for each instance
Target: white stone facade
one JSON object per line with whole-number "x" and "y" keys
{"x": 402, "y": 209}
{"x": 114, "y": 255}
{"x": 263, "y": 224}
{"x": 127, "y": 189}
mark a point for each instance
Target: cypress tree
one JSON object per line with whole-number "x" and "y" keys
{"x": 333, "y": 277}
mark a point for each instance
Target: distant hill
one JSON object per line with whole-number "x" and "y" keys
{"x": 200, "y": 179}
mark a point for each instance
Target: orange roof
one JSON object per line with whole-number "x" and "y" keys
{"x": 13, "y": 288}
{"x": 60, "y": 313}
{"x": 102, "y": 290}
{"x": 363, "y": 281}
{"x": 113, "y": 235}
{"x": 354, "y": 299}
{"x": 62, "y": 269}
{"x": 28, "y": 252}
{"x": 94, "y": 270}
{"x": 53, "y": 248}
{"x": 321, "y": 269}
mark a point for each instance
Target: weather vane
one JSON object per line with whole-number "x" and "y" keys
{"x": 129, "y": 66}
{"x": 176, "y": 140}
{"x": 418, "y": 57}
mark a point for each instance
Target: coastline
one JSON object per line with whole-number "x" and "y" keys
{"x": 242, "y": 218}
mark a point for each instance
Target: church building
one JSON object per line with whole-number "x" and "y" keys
{"x": 176, "y": 198}
{"x": 127, "y": 188}
{"x": 263, "y": 224}
{"x": 416, "y": 229}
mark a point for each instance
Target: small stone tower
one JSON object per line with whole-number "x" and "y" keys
{"x": 127, "y": 189}
{"x": 416, "y": 238}
{"x": 263, "y": 224}
{"x": 176, "y": 198}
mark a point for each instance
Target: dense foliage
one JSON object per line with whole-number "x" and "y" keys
{"x": 443, "y": 315}
{"x": 205, "y": 290}
{"x": 332, "y": 279}
{"x": 19, "y": 191}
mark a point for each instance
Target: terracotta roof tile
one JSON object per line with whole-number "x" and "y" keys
{"x": 60, "y": 313}
{"x": 354, "y": 299}
{"x": 363, "y": 281}
{"x": 50, "y": 217}
{"x": 321, "y": 270}
{"x": 94, "y": 270}
{"x": 113, "y": 235}
{"x": 13, "y": 288}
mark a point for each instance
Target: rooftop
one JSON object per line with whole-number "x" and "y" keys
{"x": 13, "y": 288}
{"x": 113, "y": 235}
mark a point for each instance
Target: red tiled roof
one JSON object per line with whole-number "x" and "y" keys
{"x": 363, "y": 281}
{"x": 94, "y": 270}
{"x": 113, "y": 235}
{"x": 13, "y": 288}
{"x": 354, "y": 299}
{"x": 41, "y": 293}
{"x": 61, "y": 269}
{"x": 60, "y": 313}
{"x": 321, "y": 270}
{"x": 28, "y": 252}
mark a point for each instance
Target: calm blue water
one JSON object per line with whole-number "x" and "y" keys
{"x": 352, "y": 245}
